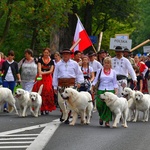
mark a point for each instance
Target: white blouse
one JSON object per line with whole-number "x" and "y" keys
{"x": 107, "y": 82}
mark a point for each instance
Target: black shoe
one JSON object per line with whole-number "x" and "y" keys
{"x": 46, "y": 112}
{"x": 100, "y": 121}
{"x": 42, "y": 112}
{"x": 67, "y": 122}
{"x": 61, "y": 120}
{"x": 5, "y": 110}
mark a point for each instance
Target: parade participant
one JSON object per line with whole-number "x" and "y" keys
{"x": 143, "y": 70}
{"x": 88, "y": 74}
{"x": 45, "y": 70}
{"x": 77, "y": 57}
{"x": 94, "y": 63}
{"x": 126, "y": 54}
{"x": 28, "y": 70}
{"x": 139, "y": 86}
{"x": 101, "y": 55}
{"x": 123, "y": 67}
{"x": 57, "y": 58}
{"x": 10, "y": 73}
{"x": 67, "y": 73}
{"x": 1, "y": 63}
{"x": 108, "y": 82}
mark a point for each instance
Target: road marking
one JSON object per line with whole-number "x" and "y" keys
{"x": 33, "y": 141}
{"x": 46, "y": 134}
{"x": 23, "y": 129}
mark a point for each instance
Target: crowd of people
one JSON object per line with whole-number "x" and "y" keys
{"x": 92, "y": 72}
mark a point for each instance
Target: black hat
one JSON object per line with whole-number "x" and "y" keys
{"x": 91, "y": 53}
{"x": 66, "y": 50}
{"x": 126, "y": 50}
{"x": 102, "y": 51}
{"x": 118, "y": 49}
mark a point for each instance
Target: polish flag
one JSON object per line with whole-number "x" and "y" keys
{"x": 81, "y": 36}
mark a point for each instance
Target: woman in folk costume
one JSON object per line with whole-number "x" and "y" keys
{"x": 108, "y": 82}
{"x": 45, "y": 70}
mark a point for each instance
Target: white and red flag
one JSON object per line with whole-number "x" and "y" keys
{"x": 81, "y": 36}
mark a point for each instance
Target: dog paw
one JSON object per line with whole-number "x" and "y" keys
{"x": 134, "y": 121}
{"x": 71, "y": 124}
{"x": 114, "y": 126}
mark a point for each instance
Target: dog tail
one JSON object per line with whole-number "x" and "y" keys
{"x": 40, "y": 89}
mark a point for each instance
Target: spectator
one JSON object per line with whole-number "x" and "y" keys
{"x": 108, "y": 82}
{"x": 10, "y": 73}
{"x": 45, "y": 70}
{"x": 28, "y": 70}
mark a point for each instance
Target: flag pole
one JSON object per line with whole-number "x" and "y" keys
{"x": 75, "y": 44}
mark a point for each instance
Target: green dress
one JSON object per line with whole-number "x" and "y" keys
{"x": 104, "y": 112}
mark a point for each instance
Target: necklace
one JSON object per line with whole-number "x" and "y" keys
{"x": 46, "y": 60}
{"x": 107, "y": 72}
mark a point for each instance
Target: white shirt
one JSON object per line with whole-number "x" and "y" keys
{"x": 9, "y": 76}
{"x": 107, "y": 82}
{"x": 95, "y": 65}
{"x": 70, "y": 69}
{"x": 123, "y": 67}
{"x": 87, "y": 71}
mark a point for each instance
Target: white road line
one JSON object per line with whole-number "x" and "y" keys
{"x": 8, "y": 139}
{"x": 14, "y": 135}
{"x": 12, "y": 147}
{"x": 40, "y": 142}
{"x": 21, "y": 142}
{"x": 23, "y": 129}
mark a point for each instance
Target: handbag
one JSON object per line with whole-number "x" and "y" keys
{"x": 98, "y": 82}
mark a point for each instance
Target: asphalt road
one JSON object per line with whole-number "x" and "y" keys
{"x": 46, "y": 134}
{"x": 78, "y": 137}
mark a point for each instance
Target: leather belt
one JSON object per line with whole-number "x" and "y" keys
{"x": 66, "y": 82}
{"x": 121, "y": 77}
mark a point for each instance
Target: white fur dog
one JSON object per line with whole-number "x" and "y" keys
{"x": 118, "y": 106}
{"x": 23, "y": 98}
{"x": 80, "y": 103}
{"x": 7, "y": 96}
{"x": 142, "y": 104}
{"x": 130, "y": 95}
{"x": 36, "y": 101}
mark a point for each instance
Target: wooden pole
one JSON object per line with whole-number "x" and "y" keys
{"x": 75, "y": 44}
{"x": 100, "y": 41}
{"x": 138, "y": 46}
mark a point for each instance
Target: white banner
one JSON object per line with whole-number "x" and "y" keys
{"x": 120, "y": 42}
{"x": 146, "y": 49}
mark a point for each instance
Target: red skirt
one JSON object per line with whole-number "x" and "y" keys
{"x": 47, "y": 93}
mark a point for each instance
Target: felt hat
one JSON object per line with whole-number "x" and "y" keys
{"x": 118, "y": 49}
{"x": 66, "y": 50}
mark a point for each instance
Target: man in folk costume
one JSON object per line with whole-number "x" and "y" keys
{"x": 123, "y": 67}
{"x": 126, "y": 54}
{"x": 66, "y": 74}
